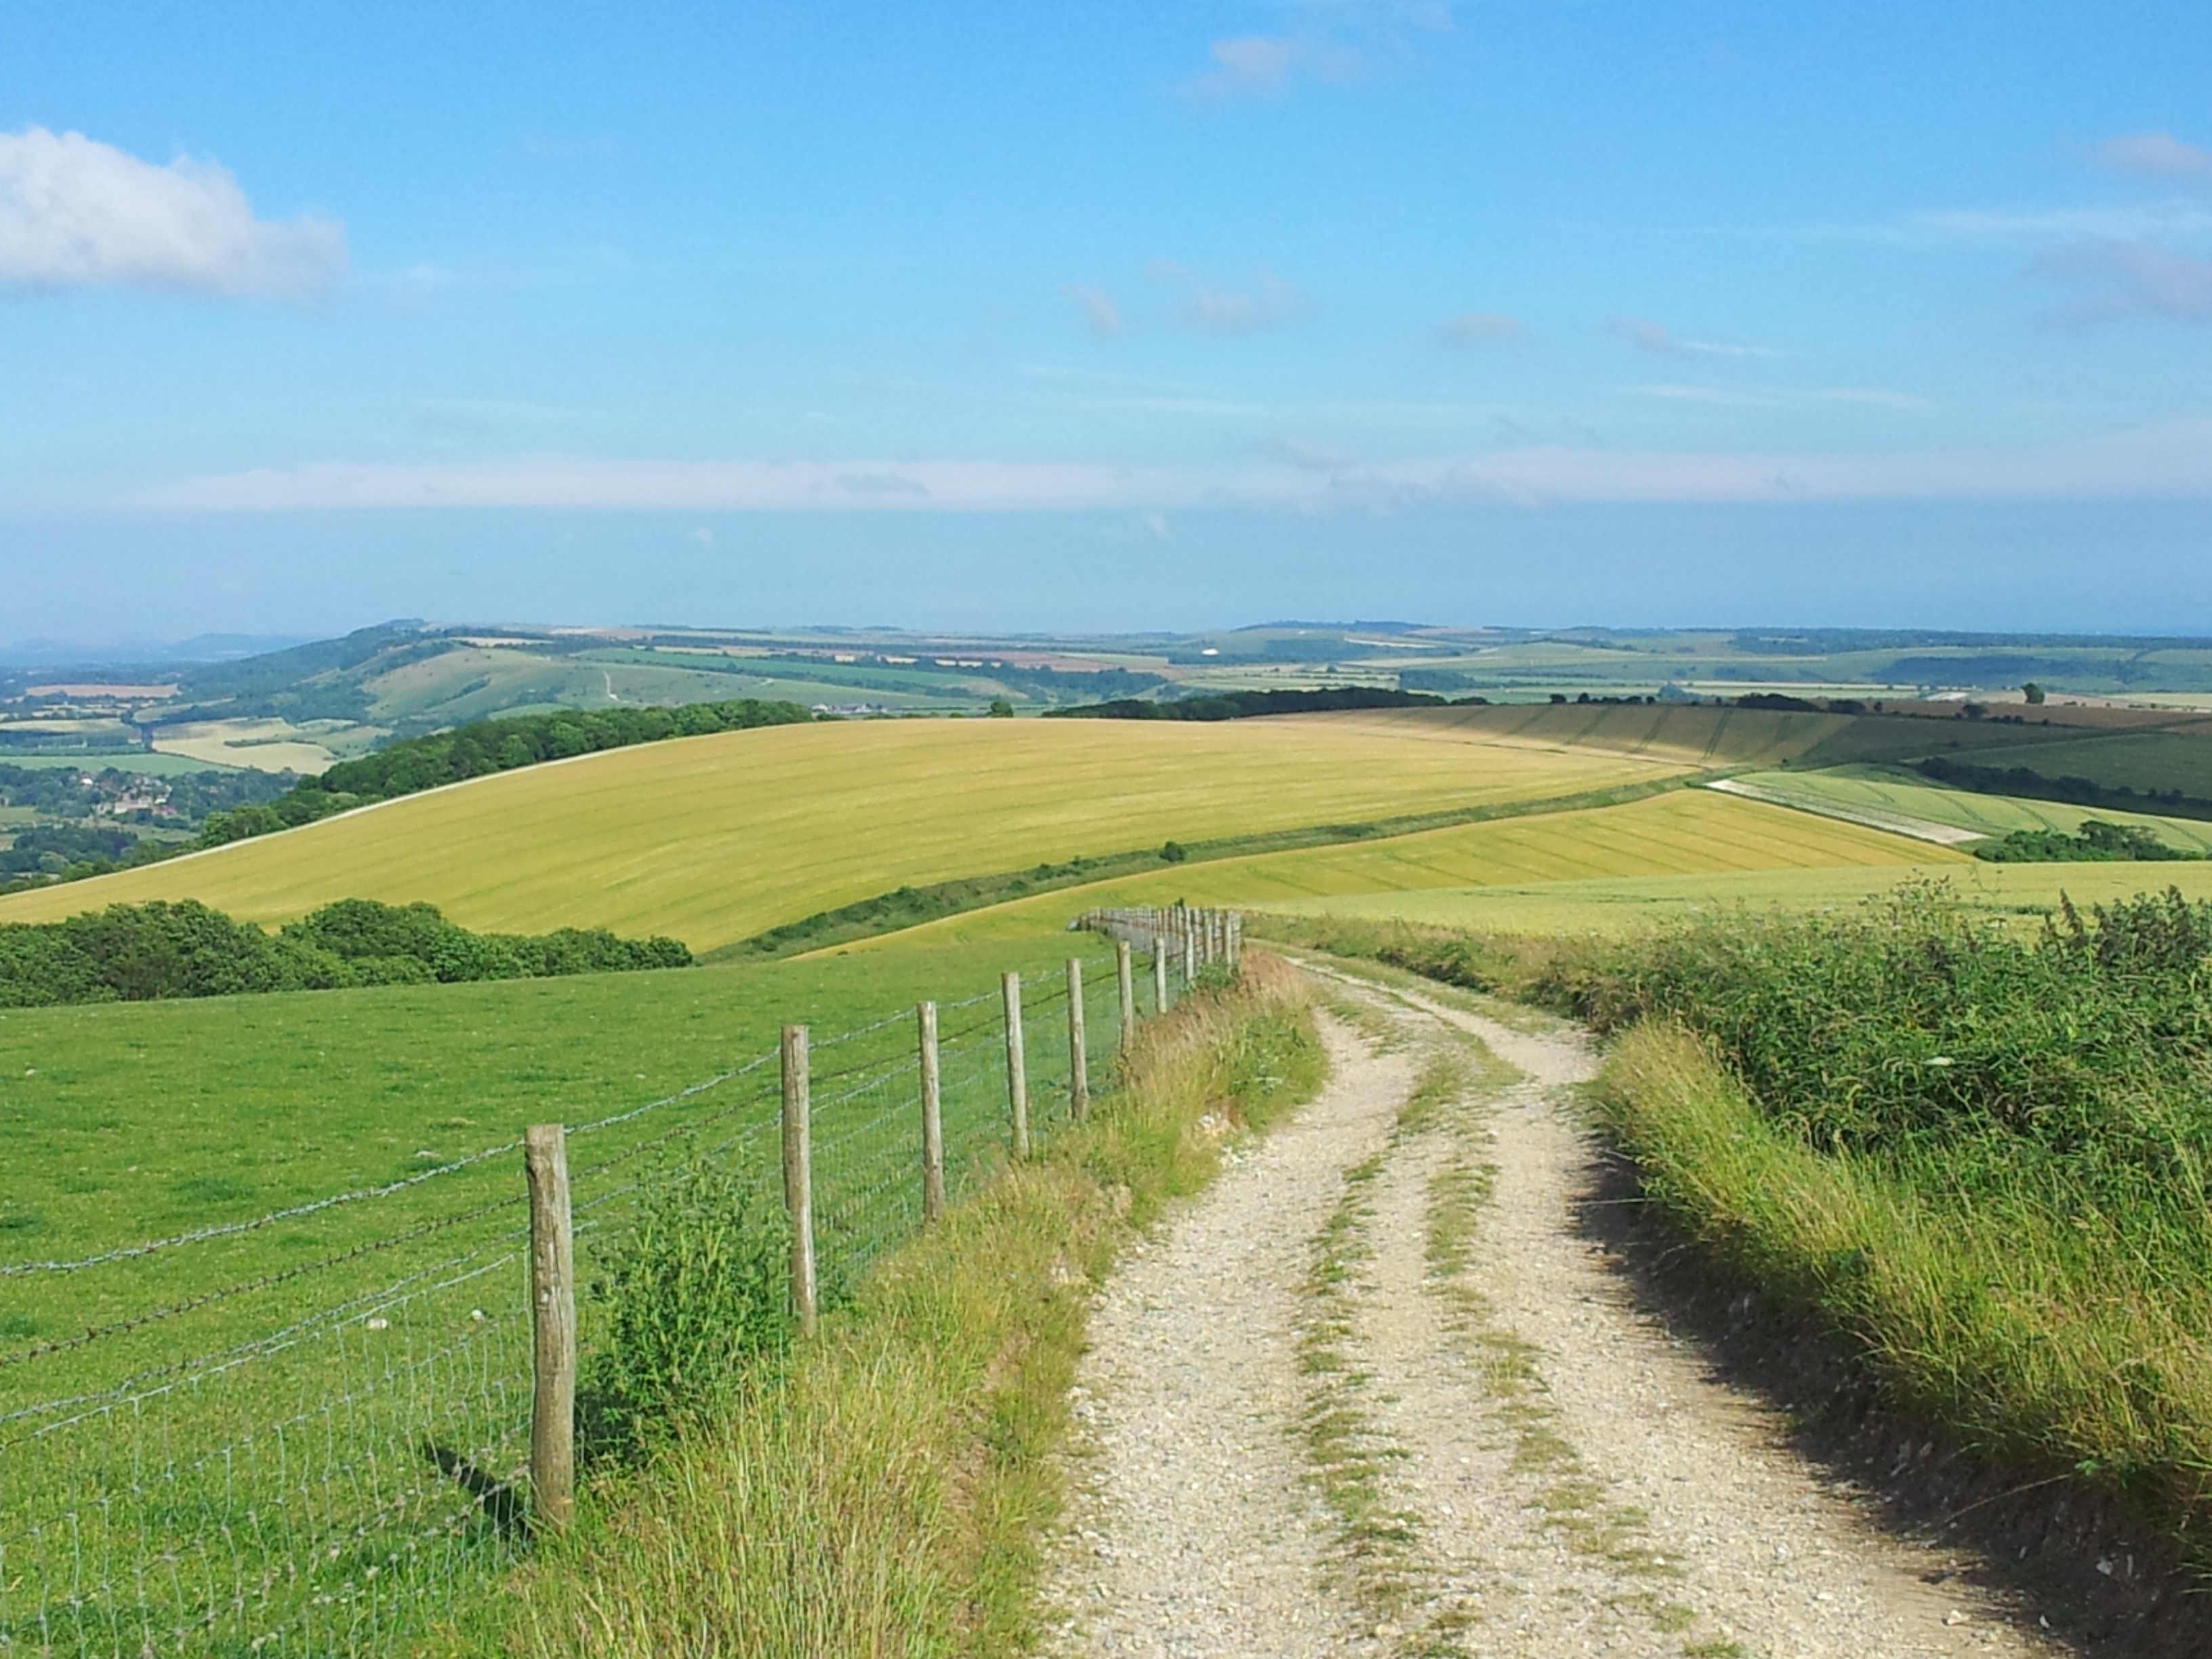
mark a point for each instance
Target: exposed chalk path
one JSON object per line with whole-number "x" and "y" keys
{"x": 1577, "y": 1482}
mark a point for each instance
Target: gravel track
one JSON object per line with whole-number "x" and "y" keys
{"x": 1574, "y": 1479}
{"x": 1195, "y": 1531}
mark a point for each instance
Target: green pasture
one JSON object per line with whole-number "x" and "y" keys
{"x": 151, "y": 765}
{"x": 1896, "y": 792}
{"x": 129, "y": 1120}
{"x": 1620, "y": 905}
{"x": 255, "y": 1472}
{"x": 2148, "y": 762}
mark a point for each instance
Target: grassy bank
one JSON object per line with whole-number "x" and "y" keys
{"x": 887, "y": 1489}
{"x": 1980, "y": 1156}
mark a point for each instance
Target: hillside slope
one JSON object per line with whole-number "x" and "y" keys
{"x": 1687, "y": 833}
{"x": 714, "y": 839}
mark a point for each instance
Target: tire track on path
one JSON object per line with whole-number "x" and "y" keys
{"x": 1196, "y": 1535}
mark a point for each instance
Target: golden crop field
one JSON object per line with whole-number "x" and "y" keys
{"x": 1692, "y": 833}
{"x": 714, "y": 839}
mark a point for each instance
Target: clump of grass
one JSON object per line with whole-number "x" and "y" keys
{"x": 887, "y": 1490}
{"x": 1348, "y": 1455}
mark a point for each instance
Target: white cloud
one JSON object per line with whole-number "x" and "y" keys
{"x": 1261, "y": 65}
{"x": 2172, "y": 462}
{"x": 2156, "y": 155}
{"x": 1647, "y": 336}
{"x": 1478, "y": 328}
{"x": 75, "y": 213}
{"x": 681, "y": 486}
{"x": 1230, "y": 311}
{"x": 1100, "y": 314}
{"x": 2130, "y": 279}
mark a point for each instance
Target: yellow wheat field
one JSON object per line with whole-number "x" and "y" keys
{"x": 712, "y": 839}
{"x": 1692, "y": 836}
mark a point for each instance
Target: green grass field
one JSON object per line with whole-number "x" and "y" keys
{"x": 1621, "y": 904}
{"x": 134, "y": 1119}
{"x": 248, "y": 1416}
{"x": 714, "y": 839}
{"x": 1883, "y": 790}
{"x": 2148, "y": 762}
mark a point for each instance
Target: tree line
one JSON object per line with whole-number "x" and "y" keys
{"x": 142, "y": 952}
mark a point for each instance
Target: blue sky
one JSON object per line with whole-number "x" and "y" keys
{"x": 1555, "y": 311}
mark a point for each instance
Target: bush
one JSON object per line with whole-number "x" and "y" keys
{"x": 132, "y": 953}
{"x": 2094, "y": 842}
{"x": 696, "y": 1299}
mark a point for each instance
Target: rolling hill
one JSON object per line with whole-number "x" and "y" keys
{"x": 714, "y": 839}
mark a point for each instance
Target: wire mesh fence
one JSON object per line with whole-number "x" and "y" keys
{"x": 308, "y": 1432}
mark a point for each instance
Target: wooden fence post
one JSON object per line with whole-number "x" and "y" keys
{"x": 553, "y": 1330}
{"x": 933, "y": 1117}
{"x": 1017, "y": 1079}
{"x": 1126, "y": 984}
{"x": 1159, "y": 973}
{"x": 799, "y": 1175}
{"x": 1078, "y": 1050}
{"x": 1189, "y": 958}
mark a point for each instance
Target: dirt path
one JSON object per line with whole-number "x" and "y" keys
{"x": 1375, "y": 1394}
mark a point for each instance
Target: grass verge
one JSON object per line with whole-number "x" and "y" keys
{"x": 888, "y": 1492}
{"x": 1974, "y": 1156}
{"x": 2016, "y": 1324}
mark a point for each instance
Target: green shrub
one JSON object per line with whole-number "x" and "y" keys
{"x": 138, "y": 952}
{"x": 696, "y": 1296}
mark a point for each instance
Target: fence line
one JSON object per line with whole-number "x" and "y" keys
{"x": 313, "y": 1207}
{"x": 334, "y": 1483}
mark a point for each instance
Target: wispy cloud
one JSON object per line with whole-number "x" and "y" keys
{"x": 1230, "y": 311}
{"x": 1266, "y": 66}
{"x": 1100, "y": 315}
{"x": 1731, "y": 397}
{"x": 2166, "y": 462}
{"x": 77, "y": 213}
{"x": 2127, "y": 279}
{"x": 1472, "y": 328}
{"x": 678, "y": 486}
{"x": 2120, "y": 219}
{"x": 2156, "y": 155}
{"x": 1308, "y": 456}
{"x": 1647, "y": 336}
